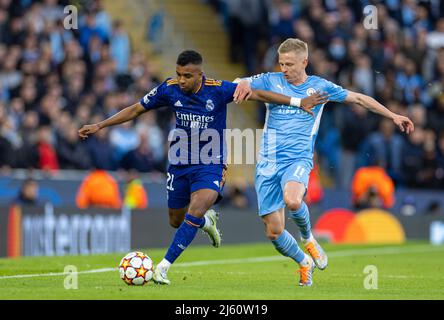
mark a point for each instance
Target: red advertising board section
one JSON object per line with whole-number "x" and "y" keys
{"x": 14, "y": 232}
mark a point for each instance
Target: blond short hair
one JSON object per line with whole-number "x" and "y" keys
{"x": 292, "y": 44}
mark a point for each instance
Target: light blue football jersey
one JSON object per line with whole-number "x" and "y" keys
{"x": 290, "y": 132}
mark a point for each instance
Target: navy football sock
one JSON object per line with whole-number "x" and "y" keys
{"x": 183, "y": 237}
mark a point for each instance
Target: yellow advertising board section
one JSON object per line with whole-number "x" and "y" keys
{"x": 370, "y": 226}
{"x": 374, "y": 226}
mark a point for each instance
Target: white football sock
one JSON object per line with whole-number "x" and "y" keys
{"x": 306, "y": 261}
{"x": 164, "y": 265}
{"x": 207, "y": 224}
{"x": 304, "y": 241}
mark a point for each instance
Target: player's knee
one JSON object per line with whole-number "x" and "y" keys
{"x": 175, "y": 223}
{"x": 200, "y": 204}
{"x": 198, "y": 210}
{"x": 176, "y": 216}
{"x": 273, "y": 232}
{"x": 293, "y": 204}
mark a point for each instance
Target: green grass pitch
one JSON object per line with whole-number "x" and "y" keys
{"x": 236, "y": 272}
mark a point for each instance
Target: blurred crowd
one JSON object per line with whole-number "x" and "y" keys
{"x": 54, "y": 79}
{"x": 400, "y": 63}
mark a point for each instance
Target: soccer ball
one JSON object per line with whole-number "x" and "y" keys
{"x": 136, "y": 268}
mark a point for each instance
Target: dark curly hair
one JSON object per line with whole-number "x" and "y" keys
{"x": 189, "y": 56}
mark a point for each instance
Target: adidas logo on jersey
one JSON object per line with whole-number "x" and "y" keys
{"x": 178, "y": 104}
{"x": 216, "y": 183}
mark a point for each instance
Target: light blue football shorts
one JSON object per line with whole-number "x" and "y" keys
{"x": 270, "y": 181}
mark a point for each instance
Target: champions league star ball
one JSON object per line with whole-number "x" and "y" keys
{"x": 136, "y": 268}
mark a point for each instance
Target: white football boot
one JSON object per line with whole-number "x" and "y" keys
{"x": 160, "y": 276}
{"x": 211, "y": 228}
{"x": 306, "y": 273}
{"x": 317, "y": 253}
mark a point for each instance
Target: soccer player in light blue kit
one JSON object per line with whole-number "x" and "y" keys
{"x": 286, "y": 160}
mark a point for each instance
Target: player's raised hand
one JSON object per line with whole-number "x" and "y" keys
{"x": 404, "y": 124}
{"x": 243, "y": 91}
{"x": 310, "y": 102}
{"x": 88, "y": 129}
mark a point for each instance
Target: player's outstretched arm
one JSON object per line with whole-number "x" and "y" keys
{"x": 243, "y": 90}
{"x": 306, "y": 103}
{"x": 127, "y": 114}
{"x": 403, "y": 123}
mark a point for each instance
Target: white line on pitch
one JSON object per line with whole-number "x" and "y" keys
{"x": 334, "y": 254}
{"x": 53, "y": 274}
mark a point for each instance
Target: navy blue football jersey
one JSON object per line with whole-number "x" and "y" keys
{"x": 198, "y": 137}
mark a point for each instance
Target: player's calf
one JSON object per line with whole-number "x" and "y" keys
{"x": 201, "y": 201}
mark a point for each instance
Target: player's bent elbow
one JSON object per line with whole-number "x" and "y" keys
{"x": 354, "y": 97}
{"x": 360, "y": 99}
{"x": 137, "y": 109}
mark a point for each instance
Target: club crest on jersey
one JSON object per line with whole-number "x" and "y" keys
{"x": 311, "y": 91}
{"x": 210, "y": 105}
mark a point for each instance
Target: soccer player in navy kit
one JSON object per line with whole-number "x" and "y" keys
{"x": 194, "y": 184}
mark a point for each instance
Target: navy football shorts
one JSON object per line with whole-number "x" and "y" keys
{"x": 182, "y": 181}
